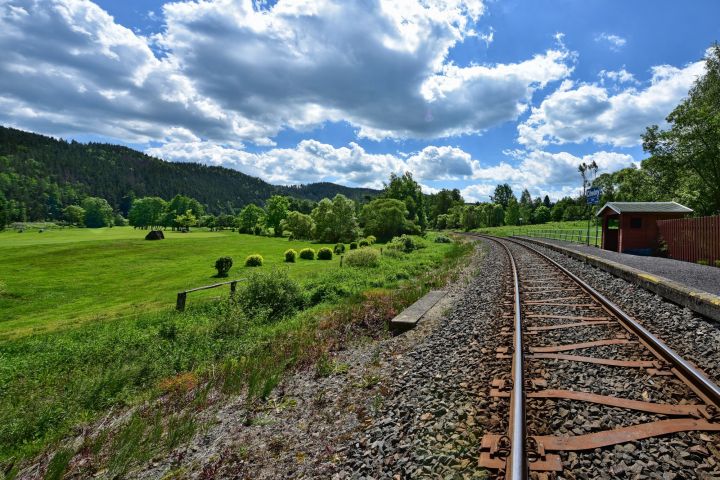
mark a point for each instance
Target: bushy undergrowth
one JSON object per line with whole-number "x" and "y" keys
{"x": 324, "y": 254}
{"x": 53, "y": 381}
{"x": 290, "y": 255}
{"x": 406, "y": 243}
{"x": 364, "y": 257}
{"x": 442, "y": 239}
{"x": 270, "y": 296}
{"x": 254, "y": 260}
{"x": 307, "y": 254}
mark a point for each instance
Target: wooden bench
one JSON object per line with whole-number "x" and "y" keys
{"x": 408, "y": 318}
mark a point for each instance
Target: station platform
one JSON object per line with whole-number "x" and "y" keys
{"x": 694, "y": 286}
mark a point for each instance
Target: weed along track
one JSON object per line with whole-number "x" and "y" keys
{"x": 587, "y": 391}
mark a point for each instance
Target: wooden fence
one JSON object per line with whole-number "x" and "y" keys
{"x": 182, "y": 296}
{"x": 692, "y": 239}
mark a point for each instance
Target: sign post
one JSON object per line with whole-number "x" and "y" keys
{"x": 593, "y": 198}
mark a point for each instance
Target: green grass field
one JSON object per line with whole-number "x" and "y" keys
{"x": 574, "y": 231}
{"x": 89, "y": 324}
{"x": 74, "y": 275}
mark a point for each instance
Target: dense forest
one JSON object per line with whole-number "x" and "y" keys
{"x": 40, "y": 176}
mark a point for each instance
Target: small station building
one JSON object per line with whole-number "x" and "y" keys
{"x": 631, "y": 227}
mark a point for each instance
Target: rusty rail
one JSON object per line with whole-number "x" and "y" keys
{"x": 531, "y": 455}
{"x": 182, "y": 296}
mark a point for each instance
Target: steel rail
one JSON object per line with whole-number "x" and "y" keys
{"x": 517, "y": 465}
{"x": 706, "y": 387}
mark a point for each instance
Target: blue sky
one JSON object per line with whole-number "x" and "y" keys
{"x": 463, "y": 93}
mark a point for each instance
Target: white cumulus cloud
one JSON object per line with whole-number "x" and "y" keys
{"x": 576, "y": 113}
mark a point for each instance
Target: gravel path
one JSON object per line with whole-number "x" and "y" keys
{"x": 702, "y": 277}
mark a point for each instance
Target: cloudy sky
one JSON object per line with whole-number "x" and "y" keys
{"x": 463, "y": 93}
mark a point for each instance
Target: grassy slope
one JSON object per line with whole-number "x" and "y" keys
{"x": 71, "y": 276}
{"x": 56, "y": 378}
{"x": 575, "y": 226}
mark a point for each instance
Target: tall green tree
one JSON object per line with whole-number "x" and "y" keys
{"x": 335, "y": 220}
{"x": 512, "y": 212}
{"x": 276, "y": 209}
{"x": 98, "y": 212}
{"x": 147, "y": 212}
{"x": 691, "y": 146}
{"x": 250, "y": 217}
{"x": 502, "y": 195}
{"x": 384, "y": 218}
{"x": 74, "y": 214}
{"x": 407, "y": 190}
{"x": 302, "y": 226}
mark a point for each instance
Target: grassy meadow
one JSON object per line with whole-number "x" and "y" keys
{"x": 89, "y": 327}
{"x": 69, "y": 276}
{"x": 571, "y": 230}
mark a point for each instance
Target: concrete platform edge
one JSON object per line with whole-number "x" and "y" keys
{"x": 409, "y": 318}
{"x": 698, "y": 301}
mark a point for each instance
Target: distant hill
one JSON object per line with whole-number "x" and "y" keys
{"x": 39, "y": 175}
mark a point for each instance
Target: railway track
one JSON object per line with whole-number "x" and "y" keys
{"x": 575, "y": 354}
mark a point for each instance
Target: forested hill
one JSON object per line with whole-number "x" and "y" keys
{"x": 43, "y": 174}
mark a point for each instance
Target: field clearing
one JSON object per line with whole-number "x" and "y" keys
{"x": 58, "y": 372}
{"x": 552, "y": 230}
{"x": 70, "y": 276}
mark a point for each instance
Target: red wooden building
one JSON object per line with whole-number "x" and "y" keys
{"x": 631, "y": 227}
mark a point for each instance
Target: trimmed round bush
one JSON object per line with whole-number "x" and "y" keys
{"x": 442, "y": 239}
{"x": 371, "y": 239}
{"x": 353, "y": 245}
{"x": 339, "y": 248}
{"x": 363, "y": 243}
{"x": 223, "y": 266}
{"x": 254, "y": 261}
{"x": 290, "y": 255}
{"x": 324, "y": 254}
{"x": 307, "y": 254}
{"x": 364, "y": 257}
{"x": 291, "y": 237}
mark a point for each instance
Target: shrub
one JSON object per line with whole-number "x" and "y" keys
{"x": 442, "y": 239}
{"x": 717, "y": 264}
{"x": 270, "y": 295}
{"x": 371, "y": 239}
{"x": 339, "y": 248}
{"x": 307, "y": 254}
{"x": 324, "y": 254}
{"x": 223, "y": 266}
{"x": 290, "y": 255}
{"x": 363, "y": 243}
{"x": 291, "y": 237}
{"x": 364, "y": 257}
{"x": 405, "y": 243}
{"x": 254, "y": 260}
{"x": 702, "y": 262}
{"x": 326, "y": 292}
{"x": 353, "y": 245}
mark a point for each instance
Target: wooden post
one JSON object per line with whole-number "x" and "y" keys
{"x": 341, "y": 257}
{"x": 233, "y": 287}
{"x": 180, "y": 305}
{"x": 381, "y": 251}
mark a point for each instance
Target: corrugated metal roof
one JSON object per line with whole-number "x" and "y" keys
{"x": 645, "y": 207}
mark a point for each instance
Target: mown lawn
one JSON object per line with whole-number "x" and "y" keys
{"x": 572, "y": 231}
{"x": 54, "y": 379}
{"x": 69, "y": 276}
